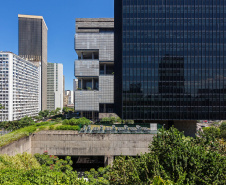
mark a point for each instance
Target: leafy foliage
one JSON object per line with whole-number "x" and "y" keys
{"x": 54, "y": 163}
{"x": 110, "y": 120}
{"x": 14, "y": 125}
{"x": 223, "y": 130}
{"x": 41, "y": 169}
{"x": 212, "y": 131}
{"x": 195, "y": 161}
{"x": 81, "y": 121}
{"x": 67, "y": 127}
{"x": 38, "y": 118}
{"x": 44, "y": 113}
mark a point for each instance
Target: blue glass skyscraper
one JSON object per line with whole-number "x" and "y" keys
{"x": 170, "y": 59}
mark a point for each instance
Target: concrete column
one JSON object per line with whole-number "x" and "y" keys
{"x": 105, "y": 69}
{"x": 92, "y": 83}
{"x": 81, "y": 83}
{"x": 104, "y": 108}
{"x": 82, "y": 56}
{"x": 92, "y": 55}
{"x": 92, "y": 115}
{"x": 108, "y": 160}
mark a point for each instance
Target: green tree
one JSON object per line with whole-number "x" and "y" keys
{"x": 39, "y": 118}
{"x": 194, "y": 161}
{"x": 65, "y": 110}
{"x": 52, "y": 113}
{"x": 57, "y": 111}
{"x": 44, "y": 113}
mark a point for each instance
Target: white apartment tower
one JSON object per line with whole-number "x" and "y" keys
{"x": 55, "y": 89}
{"x": 19, "y": 87}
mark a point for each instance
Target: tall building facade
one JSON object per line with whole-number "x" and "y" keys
{"x": 55, "y": 86}
{"x": 70, "y": 94}
{"x": 94, "y": 69}
{"x": 33, "y": 47}
{"x": 170, "y": 59}
{"x": 19, "y": 87}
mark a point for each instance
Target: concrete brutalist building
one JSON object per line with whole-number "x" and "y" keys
{"x": 94, "y": 69}
{"x": 33, "y": 47}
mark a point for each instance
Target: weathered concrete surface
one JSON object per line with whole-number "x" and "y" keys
{"x": 20, "y": 146}
{"x": 74, "y": 144}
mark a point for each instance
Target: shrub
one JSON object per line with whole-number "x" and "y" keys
{"x": 65, "y": 122}
{"x": 212, "y": 131}
{"x": 128, "y": 121}
{"x": 83, "y": 121}
{"x": 58, "y": 119}
{"x": 41, "y": 169}
{"x": 223, "y": 130}
{"x": 41, "y": 124}
{"x": 109, "y": 120}
{"x": 105, "y": 120}
{"x": 73, "y": 121}
{"x": 51, "y": 127}
{"x": 119, "y": 120}
{"x": 14, "y": 125}
{"x": 42, "y": 128}
{"x": 67, "y": 127}
{"x": 20, "y": 161}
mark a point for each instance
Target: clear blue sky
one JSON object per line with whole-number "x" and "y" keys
{"x": 60, "y": 17}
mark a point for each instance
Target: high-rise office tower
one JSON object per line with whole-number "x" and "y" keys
{"x": 33, "y": 47}
{"x": 19, "y": 87}
{"x": 55, "y": 86}
{"x": 94, "y": 44}
{"x": 170, "y": 59}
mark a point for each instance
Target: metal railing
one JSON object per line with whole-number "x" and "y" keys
{"x": 119, "y": 130}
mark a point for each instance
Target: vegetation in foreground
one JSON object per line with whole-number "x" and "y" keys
{"x": 172, "y": 159}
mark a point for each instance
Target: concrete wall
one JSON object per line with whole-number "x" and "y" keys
{"x": 20, "y": 146}
{"x": 106, "y": 89}
{"x": 87, "y": 68}
{"x": 104, "y": 42}
{"x": 86, "y": 101}
{"x": 72, "y": 143}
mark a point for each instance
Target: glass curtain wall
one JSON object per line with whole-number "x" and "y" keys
{"x": 172, "y": 65}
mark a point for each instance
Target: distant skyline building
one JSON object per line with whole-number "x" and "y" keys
{"x": 170, "y": 60}
{"x": 70, "y": 99}
{"x": 19, "y": 87}
{"x": 55, "y": 86}
{"x": 33, "y": 47}
{"x": 94, "y": 69}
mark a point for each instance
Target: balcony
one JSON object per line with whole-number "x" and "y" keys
{"x": 88, "y": 84}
